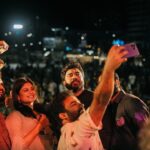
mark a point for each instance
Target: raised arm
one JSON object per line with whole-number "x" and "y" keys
{"x": 104, "y": 89}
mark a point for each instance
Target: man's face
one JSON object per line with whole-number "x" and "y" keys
{"x": 2, "y": 93}
{"x": 73, "y": 108}
{"x": 74, "y": 80}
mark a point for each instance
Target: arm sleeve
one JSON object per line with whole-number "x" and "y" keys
{"x": 138, "y": 111}
{"x": 14, "y": 126}
{"x": 86, "y": 125}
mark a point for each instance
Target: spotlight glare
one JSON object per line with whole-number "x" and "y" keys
{"x": 18, "y": 26}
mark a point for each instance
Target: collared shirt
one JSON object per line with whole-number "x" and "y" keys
{"x": 81, "y": 134}
{"x": 122, "y": 121}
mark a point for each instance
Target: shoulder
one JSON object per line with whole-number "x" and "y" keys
{"x": 15, "y": 112}
{"x": 133, "y": 100}
{"x": 86, "y": 120}
{"x": 14, "y": 115}
{"x": 132, "y": 104}
{"x": 132, "y": 96}
{"x": 129, "y": 99}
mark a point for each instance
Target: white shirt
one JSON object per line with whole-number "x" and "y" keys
{"x": 81, "y": 134}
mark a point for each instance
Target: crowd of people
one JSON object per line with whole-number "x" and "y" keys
{"x": 77, "y": 118}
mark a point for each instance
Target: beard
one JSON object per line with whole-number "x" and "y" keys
{"x": 73, "y": 87}
{"x": 75, "y": 115}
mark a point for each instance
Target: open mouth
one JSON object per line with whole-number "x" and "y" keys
{"x": 31, "y": 97}
{"x": 75, "y": 83}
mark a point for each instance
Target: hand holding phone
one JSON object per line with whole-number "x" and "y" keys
{"x": 132, "y": 50}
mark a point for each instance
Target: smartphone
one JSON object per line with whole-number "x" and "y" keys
{"x": 132, "y": 49}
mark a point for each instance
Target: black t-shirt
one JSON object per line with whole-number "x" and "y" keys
{"x": 86, "y": 98}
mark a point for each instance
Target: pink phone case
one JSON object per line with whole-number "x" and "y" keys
{"x": 132, "y": 49}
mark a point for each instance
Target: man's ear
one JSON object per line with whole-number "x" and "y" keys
{"x": 63, "y": 116}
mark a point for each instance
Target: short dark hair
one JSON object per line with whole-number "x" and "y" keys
{"x": 71, "y": 65}
{"x": 58, "y": 102}
{"x": 57, "y": 105}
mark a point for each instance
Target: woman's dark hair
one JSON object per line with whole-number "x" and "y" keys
{"x": 24, "y": 109}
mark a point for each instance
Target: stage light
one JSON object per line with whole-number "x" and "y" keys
{"x": 6, "y": 34}
{"x": 23, "y": 44}
{"x": 18, "y": 26}
{"x": 40, "y": 43}
{"x": 66, "y": 28}
{"x": 16, "y": 45}
{"x": 31, "y": 44}
{"x": 29, "y": 35}
{"x": 9, "y": 33}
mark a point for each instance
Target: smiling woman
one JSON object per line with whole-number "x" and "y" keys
{"x": 27, "y": 128}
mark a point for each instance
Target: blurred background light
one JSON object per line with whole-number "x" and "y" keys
{"x": 18, "y": 26}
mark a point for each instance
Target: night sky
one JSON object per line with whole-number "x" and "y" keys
{"x": 77, "y": 15}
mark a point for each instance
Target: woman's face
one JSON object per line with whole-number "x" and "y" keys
{"x": 27, "y": 94}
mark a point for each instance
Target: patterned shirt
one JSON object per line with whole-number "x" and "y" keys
{"x": 81, "y": 134}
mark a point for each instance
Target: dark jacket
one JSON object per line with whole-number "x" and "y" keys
{"x": 122, "y": 121}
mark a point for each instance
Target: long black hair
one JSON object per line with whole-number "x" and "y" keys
{"x": 24, "y": 109}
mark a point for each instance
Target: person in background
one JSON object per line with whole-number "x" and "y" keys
{"x": 72, "y": 76}
{"x": 79, "y": 127}
{"x": 3, "y": 108}
{"x": 124, "y": 117}
{"x": 144, "y": 136}
{"x": 27, "y": 128}
{"x": 5, "y": 143}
